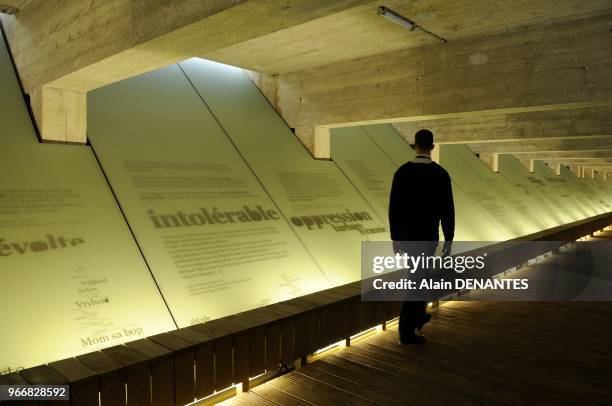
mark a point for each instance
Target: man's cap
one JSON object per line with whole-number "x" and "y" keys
{"x": 423, "y": 138}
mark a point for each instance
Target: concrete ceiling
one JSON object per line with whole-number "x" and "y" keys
{"x": 83, "y": 45}
{"x": 360, "y": 32}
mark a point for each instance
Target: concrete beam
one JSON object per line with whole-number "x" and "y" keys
{"x": 541, "y": 149}
{"x": 580, "y": 162}
{"x": 605, "y": 171}
{"x": 545, "y": 125}
{"x": 577, "y": 161}
{"x": 575, "y": 169}
{"x": 542, "y": 68}
{"x": 65, "y": 48}
{"x": 556, "y": 157}
{"x": 61, "y": 113}
{"x": 537, "y": 144}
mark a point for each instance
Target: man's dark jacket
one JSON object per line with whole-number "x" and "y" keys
{"x": 421, "y": 198}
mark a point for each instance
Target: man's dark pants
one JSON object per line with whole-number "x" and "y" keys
{"x": 412, "y": 314}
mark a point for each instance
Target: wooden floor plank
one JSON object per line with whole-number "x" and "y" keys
{"x": 277, "y": 396}
{"x": 394, "y": 385}
{"x": 315, "y": 392}
{"x": 522, "y": 335}
{"x": 248, "y": 399}
{"x": 518, "y": 338}
{"x": 341, "y": 383}
{"x": 378, "y": 392}
{"x": 450, "y": 374}
{"x": 420, "y": 388}
{"x": 548, "y": 365}
{"x": 587, "y": 349}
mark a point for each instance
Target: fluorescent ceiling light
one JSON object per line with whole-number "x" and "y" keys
{"x": 396, "y": 18}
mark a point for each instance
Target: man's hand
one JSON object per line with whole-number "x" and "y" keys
{"x": 446, "y": 251}
{"x": 397, "y": 247}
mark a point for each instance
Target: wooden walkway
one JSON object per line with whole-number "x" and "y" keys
{"x": 477, "y": 353}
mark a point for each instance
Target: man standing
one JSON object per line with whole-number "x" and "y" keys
{"x": 421, "y": 198}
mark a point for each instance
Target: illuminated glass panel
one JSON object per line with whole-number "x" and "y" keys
{"x": 555, "y": 189}
{"x": 365, "y": 164}
{"x": 523, "y": 181}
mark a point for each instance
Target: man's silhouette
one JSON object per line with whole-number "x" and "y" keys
{"x": 421, "y": 199}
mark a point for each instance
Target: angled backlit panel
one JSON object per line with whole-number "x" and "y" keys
{"x": 556, "y": 191}
{"x": 522, "y": 180}
{"x": 365, "y": 164}
{"x": 587, "y": 194}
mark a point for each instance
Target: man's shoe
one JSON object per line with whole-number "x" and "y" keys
{"x": 412, "y": 339}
